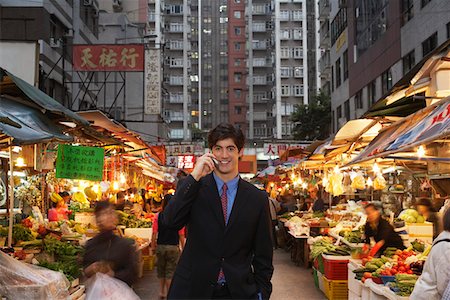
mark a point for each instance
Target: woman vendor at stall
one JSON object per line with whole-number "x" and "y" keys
{"x": 59, "y": 210}
{"x": 382, "y": 232}
{"x": 425, "y": 208}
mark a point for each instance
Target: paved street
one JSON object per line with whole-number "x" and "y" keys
{"x": 289, "y": 282}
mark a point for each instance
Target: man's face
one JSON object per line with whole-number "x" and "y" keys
{"x": 422, "y": 209}
{"x": 107, "y": 219}
{"x": 227, "y": 153}
{"x": 372, "y": 214}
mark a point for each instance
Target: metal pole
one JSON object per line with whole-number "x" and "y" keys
{"x": 200, "y": 113}
{"x": 11, "y": 193}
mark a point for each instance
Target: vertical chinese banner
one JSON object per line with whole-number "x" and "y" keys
{"x": 152, "y": 82}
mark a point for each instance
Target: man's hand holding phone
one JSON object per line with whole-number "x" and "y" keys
{"x": 204, "y": 166}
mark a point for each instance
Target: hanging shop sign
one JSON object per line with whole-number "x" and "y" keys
{"x": 128, "y": 57}
{"x": 152, "y": 82}
{"x": 186, "y": 162}
{"x": 78, "y": 162}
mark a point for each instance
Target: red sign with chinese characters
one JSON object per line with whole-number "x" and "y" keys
{"x": 186, "y": 162}
{"x": 128, "y": 57}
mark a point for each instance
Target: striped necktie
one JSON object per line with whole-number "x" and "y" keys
{"x": 224, "y": 200}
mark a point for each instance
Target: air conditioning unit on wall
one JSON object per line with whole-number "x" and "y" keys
{"x": 55, "y": 42}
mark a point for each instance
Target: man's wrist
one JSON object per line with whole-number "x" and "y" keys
{"x": 195, "y": 176}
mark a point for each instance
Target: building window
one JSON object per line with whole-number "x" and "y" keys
{"x": 371, "y": 23}
{"x": 285, "y": 34}
{"x": 338, "y": 72}
{"x": 409, "y": 62}
{"x": 237, "y": 46}
{"x": 347, "y": 109}
{"x": 176, "y": 133}
{"x": 424, "y": 2}
{"x": 298, "y": 72}
{"x": 237, "y": 110}
{"x": 237, "y": 14}
{"x": 339, "y": 113}
{"x": 407, "y": 10}
{"x": 371, "y": 92}
{"x": 298, "y": 90}
{"x": 345, "y": 64}
{"x": 284, "y": 15}
{"x": 448, "y": 30}
{"x": 338, "y": 24}
{"x": 285, "y": 53}
{"x": 358, "y": 100}
{"x": 332, "y": 78}
{"x": 429, "y": 44}
{"x": 285, "y": 90}
{"x": 237, "y": 62}
{"x": 297, "y": 15}
{"x": 237, "y": 77}
{"x": 237, "y": 30}
{"x": 285, "y": 72}
{"x": 297, "y": 52}
{"x": 386, "y": 81}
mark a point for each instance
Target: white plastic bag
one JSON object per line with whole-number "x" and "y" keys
{"x": 102, "y": 286}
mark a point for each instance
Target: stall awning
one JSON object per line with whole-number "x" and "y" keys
{"x": 102, "y": 122}
{"x": 15, "y": 85}
{"x": 427, "y": 125}
{"x": 27, "y": 125}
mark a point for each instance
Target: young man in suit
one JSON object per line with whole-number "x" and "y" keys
{"x": 228, "y": 253}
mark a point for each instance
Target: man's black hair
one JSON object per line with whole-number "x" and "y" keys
{"x": 226, "y": 131}
{"x": 102, "y": 206}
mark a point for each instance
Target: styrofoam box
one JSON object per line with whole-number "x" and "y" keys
{"x": 420, "y": 229}
{"x": 321, "y": 282}
{"x": 375, "y": 296}
{"x": 143, "y": 233}
{"x": 365, "y": 293}
{"x": 354, "y": 285}
{"x": 85, "y": 218}
{"x": 353, "y": 296}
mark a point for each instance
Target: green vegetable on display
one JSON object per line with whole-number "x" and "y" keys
{"x": 21, "y": 233}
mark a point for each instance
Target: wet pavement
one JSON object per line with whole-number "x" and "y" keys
{"x": 290, "y": 282}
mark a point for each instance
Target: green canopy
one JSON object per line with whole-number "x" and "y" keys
{"x": 43, "y": 100}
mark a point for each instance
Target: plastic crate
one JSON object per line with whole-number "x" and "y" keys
{"x": 316, "y": 279}
{"x": 318, "y": 264}
{"x": 336, "y": 289}
{"x": 335, "y": 269}
{"x": 149, "y": 262}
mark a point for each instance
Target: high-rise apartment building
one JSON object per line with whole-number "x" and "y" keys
{"x": 372, "y": 45}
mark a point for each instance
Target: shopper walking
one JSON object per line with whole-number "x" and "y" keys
{"x": 228, "y": 253}
{"x": 436, "y": 272}
{"x": 108, "y": 253}
{"x": 275, "y": 208}
{"x": 166, "y": 243}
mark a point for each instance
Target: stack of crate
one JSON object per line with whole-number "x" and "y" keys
{"x": 335, "y": 278}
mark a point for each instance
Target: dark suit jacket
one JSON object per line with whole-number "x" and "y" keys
{"x": 243, "y": 248}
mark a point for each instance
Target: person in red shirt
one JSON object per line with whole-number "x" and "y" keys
{"x": 60, "y": 212}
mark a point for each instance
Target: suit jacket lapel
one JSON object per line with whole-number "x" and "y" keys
{"x": 214, "y": 199}
{"x": 238, "y": 202}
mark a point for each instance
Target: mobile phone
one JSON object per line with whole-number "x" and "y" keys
{"x": 215, "y": 161}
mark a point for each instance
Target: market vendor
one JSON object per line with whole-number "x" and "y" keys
{"x": 59, "y": 210}
{"x": 425, "y": 208}
{"x": 382, "y": 232}
{"x": 108, "y": 253}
